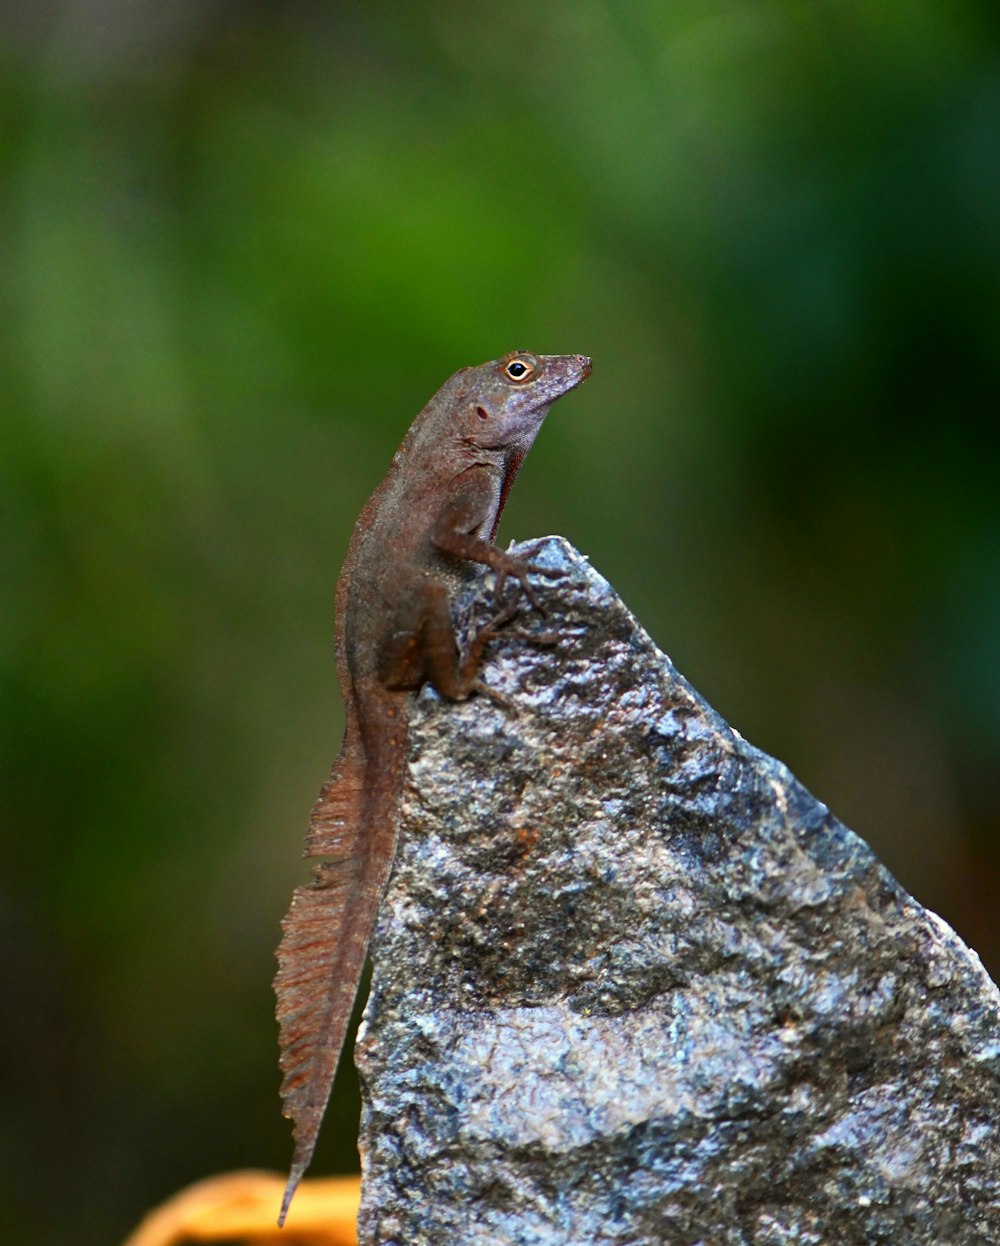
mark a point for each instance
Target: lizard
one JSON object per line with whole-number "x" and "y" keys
{"x": 427, "y": 527}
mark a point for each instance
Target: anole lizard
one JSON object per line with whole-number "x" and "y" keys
{"x": 433, "y": 517}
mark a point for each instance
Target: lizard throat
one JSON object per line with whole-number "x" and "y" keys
{"x": 511, "y": 468}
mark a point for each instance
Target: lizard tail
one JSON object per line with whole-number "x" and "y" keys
{"x": 338, "y": 810}
{"x": 325, "y": 941}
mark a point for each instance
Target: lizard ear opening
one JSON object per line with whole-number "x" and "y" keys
{"x": 482, "y": 413}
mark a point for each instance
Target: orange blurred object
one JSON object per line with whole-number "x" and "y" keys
{"x": 243, "y": 1207}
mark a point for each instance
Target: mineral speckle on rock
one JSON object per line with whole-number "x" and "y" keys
{"x": 634, "y": 984}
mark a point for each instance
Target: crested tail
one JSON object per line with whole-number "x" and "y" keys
{"x": 325, "y": 937}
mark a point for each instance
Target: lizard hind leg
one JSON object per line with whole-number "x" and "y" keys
{"x": 452, "y": 666}
{"x": 428, "y": 650}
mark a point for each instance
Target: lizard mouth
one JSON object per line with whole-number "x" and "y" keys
{"x": 560, "y": 374}
{"x": 565, "y": 372}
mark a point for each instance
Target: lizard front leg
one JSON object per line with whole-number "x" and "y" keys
{"x": 456, "y": 533}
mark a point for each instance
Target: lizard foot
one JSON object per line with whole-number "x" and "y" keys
{"x": 521, "y": 569}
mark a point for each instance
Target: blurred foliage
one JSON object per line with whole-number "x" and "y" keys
{"x": 240, "y": 245}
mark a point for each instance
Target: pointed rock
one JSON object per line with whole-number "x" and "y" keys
{"x": 634, "y": 984}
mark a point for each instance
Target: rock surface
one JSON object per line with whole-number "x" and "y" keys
{"x": 634, "y": 984}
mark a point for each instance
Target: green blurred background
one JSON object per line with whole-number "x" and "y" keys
{"x": 240, "y": 245}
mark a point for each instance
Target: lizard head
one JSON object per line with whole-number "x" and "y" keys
{"x": 507, "y": 399}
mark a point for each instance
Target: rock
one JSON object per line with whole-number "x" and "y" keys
{"x": 634, "y": 984}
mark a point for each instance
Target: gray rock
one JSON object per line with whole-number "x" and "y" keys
{"x": 634, "y": 984}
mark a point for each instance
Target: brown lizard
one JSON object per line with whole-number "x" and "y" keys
{"x": 433, "y": 517}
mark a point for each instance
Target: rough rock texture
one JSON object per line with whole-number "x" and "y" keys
{"x": 633, "y": 984}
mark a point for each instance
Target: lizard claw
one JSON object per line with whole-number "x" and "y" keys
{"x": 548, "y": 637}
{"x": 498, "y": 698}
{"x": 552, "y": 573}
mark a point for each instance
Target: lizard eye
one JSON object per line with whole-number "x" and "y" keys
{"x": 519, "y": 370}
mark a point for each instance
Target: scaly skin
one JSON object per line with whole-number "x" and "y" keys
{"x": 423, "y": 530}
